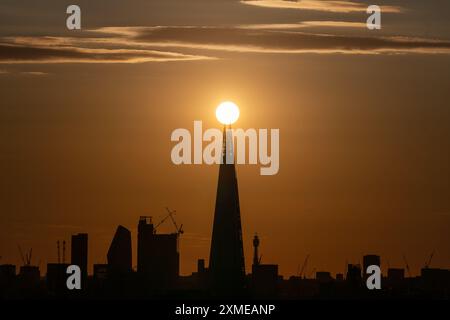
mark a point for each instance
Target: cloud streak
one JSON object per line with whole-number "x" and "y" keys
{"x": 169, "y": 43}
{"x": 35, "y": 73}
{"x": 305, "y": 24}
{"x": 275, "y": 40}
{"x": 67, "y": 50}
{"x": 318, "y": 5}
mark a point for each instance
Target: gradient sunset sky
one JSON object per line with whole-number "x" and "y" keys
{"x": 364, "y": 118}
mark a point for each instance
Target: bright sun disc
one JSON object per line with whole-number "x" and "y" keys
{"x": 227, "y": 112}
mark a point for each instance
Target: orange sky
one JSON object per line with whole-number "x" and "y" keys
{"x": 364, "y": 137}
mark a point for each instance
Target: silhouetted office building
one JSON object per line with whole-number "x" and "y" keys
{"x": 354, "y": 275}
{"x": 436, "y": 281}
{"x": 145, "y": 236}
{"x": 56, "y": 278}
{"x": 395, "y": 277}
{"x": 325, "y": 283}
{"x": 158, "y": 256}
{"x": 296, "y": 288}
{"x": 7, "y": 271}
{"x": 79, "y": 254}
{"x": 201, "y": 266}
{"x": 101, "y": 272}
{"x": 7, "y": 277}
{"x": 370, "y": 260}
{"x": 201, "y": 276}
{"x": 265, "y": 280}
{"x": 323, "y": 276}
{"x": 29, "y": 277}
{"x": 119, "y": 253}
{"x": 226, "y": 260}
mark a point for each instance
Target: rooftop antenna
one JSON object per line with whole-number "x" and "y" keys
{"x": 256, "y": 257}
{"x": 59, "y": 256}
{"x": 407, "y": 266}
{"x": 64, "y": 251}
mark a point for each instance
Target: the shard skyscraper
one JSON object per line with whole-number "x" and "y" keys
{"x": 226, "y": 261}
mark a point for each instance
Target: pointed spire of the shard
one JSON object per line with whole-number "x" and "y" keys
{"x": 226, "y": 262}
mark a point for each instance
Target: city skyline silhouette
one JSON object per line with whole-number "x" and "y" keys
{"x": 86, "y": 118}
{"x": 158, "y": 265}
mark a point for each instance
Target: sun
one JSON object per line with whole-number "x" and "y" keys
{"x": 227, "y": 112}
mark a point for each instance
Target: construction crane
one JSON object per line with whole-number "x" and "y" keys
{"x": 21, "y": 255}
{"x": 407, "y": 266}
{"x": 179, "y": 230}
{"x": 26, "y": 259}
{"x": 427, "y": 263}
{"x": 303, "y": 266}
{"x": 29, "y": 257}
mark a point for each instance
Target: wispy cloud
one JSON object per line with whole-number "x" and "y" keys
{"x": 29, "y": 73}
{"x": 169, "y": 43}
{"x": 70, "y": 50}
{"x": 305, "y": 24}
{"x": 276, "y": 40}
{"x": 318, "y": 5}
{"x": 334, "y": 24}
{"x": 35, "y": 73}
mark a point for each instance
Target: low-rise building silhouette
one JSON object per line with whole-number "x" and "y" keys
{"x": 56, "y": 278}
